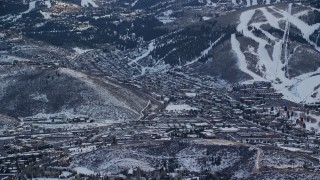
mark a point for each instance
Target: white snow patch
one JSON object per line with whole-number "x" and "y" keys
{"x": 191, "y": 94}
{"x": 134, "y": 3}
{"x": 65, "y": 174}
{"x": 231, "y": 129}
{"x": 165, "y": 18}
{"x": 87, "y": 3}
{"x": 32, "y": 5}
{"x": 48, "y": 4}
{"x": 6, "y": 138}
{"x": 83, "y": 170}
{"x": 160, "y": 66}
{"x": 179, "y": 107}
{"x": 145, "y": 54}
{"x": 46, "y": 15}
{"x": 81, "y": 51}
{"x": 290, "y": 148}
{"x": 205, "y": 18}
{"x": 248, "y": 3}
{"x": 301, "y": 13}
{"x": 254, "y": 2}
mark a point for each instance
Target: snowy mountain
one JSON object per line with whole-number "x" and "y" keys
{"x": 232, "y": 40}
{"x": 276, "y": 43}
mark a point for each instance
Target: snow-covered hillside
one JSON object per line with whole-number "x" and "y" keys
{"x": 267, "y": 49}
{"x": 187, "y": 156}
{"x": 47, "y": 92}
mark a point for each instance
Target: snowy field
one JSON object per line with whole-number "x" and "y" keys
{"x": 179, "y": 107}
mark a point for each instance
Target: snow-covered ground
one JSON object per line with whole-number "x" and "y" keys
{"x": 179, "y": 107}
{"x": 196, "y": 155}
{"x": 7, "y": 138}
{"x": 107, "y": 96}
{"x": 297, "y": 89}
{"x": 48, "y": 4}
{"x": 191, "y": 94}
{"x": 190, "y": 159}
{"x": 205, "y": 18}
{"x": 65, "y": 174}
{"x": 134, "y": 3}
{"x": 83, "y": 170}
{"x": 128, "y": 163}
{"x": 281, "y": 159}
{"x": 144, "y": 54}
{"x": 242, "y": 63}
{"x": 88, "y": 3}
{"x": 32, "y": 5}
{"x": 290, "y": 148}
{"x": 160, "y": 66}
{"x": 81, "y": 51}
{"x": 45, "y": 15}
{"x": 157, "y": 67}
{"x": 314, "y": 120}
{"x": 165, "y": 17}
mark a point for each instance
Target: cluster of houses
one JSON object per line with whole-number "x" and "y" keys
{"x": 256, "y": 92}
{"x": 33, "y": 125}
{"x": 188, "y": 111}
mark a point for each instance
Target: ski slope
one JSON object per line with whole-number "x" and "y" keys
{"x": 144, "y": 54}
{"x": 242, "y": 63}
{"x": 205, "y": 52}
{"x": 32, "y": 5}
{"x": 273, "y": 67}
